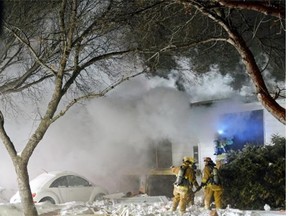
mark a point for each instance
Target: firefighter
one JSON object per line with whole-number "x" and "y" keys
{"x": 212, "y": 186}
{"x": 182, "y": 186}
{"x": 191, "y": 195}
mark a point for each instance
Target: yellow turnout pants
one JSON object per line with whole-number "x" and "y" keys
{"x": 180, "y": 198}
{"x": 215, "y": 191}
{"x": 190, "y": 198}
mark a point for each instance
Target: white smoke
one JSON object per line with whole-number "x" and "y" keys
{"x": 106, "y": 137}
{"x": 206, "y": 86}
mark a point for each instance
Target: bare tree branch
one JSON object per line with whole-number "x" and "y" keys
{"x": 265, "y": 7}
{"x": 96, "y": 95}
{"x": 5, "y": 138}
{"x": 29, "y": 47}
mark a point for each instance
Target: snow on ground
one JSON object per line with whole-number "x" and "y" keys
{"x": 133, "y": 206}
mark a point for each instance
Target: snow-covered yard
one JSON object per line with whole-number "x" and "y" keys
{"x": 132, "y": 206}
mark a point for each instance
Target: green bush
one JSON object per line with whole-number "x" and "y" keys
{"x": 255, "y": 176}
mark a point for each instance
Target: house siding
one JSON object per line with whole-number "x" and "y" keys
{"x": 206, "y": 146}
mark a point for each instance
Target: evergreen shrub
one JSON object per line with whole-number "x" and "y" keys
{"x": 255, "y": 176}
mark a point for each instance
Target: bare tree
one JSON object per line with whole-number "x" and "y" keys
{"x": 76, "y": 46}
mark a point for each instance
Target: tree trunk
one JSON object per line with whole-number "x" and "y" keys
{"x": 20, "y": 167}
{"x": 28, "y": 206}
{"x": 254, "y": 73}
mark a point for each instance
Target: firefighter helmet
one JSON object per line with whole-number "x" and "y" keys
{"x": 207, "y": 159}
{"x": 188, "y": 159}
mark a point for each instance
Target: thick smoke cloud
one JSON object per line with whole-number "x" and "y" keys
{"x": 111, "y": 136}
{"x": 105, "y": 138}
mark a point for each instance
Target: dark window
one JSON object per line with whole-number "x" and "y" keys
{"x": 164, "y": 154}
{"x": 60, "y": 182}
{"x": 76, "y": 181}
{"x": 160, "y": 154}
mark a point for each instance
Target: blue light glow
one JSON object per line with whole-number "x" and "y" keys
{"x": 220, "y": 132}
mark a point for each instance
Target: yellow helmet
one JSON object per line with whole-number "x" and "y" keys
{"x": 188, "y": 159}
{"x": 207, "y": 159}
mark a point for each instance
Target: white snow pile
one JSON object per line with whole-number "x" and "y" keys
{"x": 142, "y": 205}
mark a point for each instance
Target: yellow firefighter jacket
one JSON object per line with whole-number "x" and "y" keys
{"x": 189, "y": 174}
{"x": 207, "y": 176}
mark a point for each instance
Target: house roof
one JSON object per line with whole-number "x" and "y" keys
{"x": 208, "y": 103}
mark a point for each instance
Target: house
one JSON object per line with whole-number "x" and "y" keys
{"x": 242, "y": 122}
{"x": 220, "y": 125}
